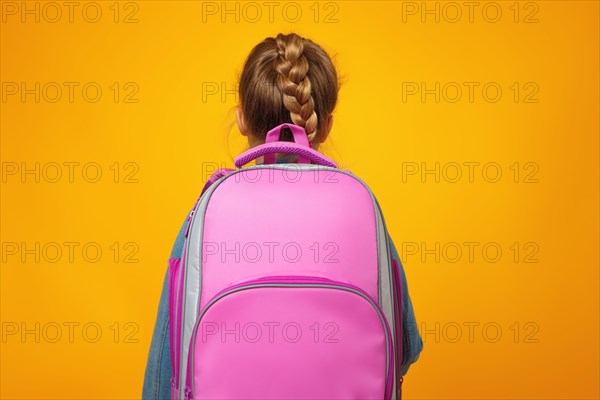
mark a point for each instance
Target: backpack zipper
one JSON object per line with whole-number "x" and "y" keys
{"x": 297, "y": 281}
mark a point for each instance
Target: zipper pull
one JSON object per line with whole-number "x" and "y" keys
{"x": 399, "y": 396}
{"x": 174, "y": 391}
{"x": 189, "y": 223}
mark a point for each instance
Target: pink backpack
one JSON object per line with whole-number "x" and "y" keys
{"x": 286, "y": 288}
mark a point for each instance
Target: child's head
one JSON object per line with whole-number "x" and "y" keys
{"x": 287, "y": 79}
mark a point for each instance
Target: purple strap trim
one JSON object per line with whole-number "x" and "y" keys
{"x": 218, "y": 174}
{"x": 173, "y": 269}
{"x": 397, "y": 296}
{"x": 283, "y": 147}
{"x": 299, "y": 137}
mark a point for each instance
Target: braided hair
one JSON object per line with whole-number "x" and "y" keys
{"x": 288, "y": 79}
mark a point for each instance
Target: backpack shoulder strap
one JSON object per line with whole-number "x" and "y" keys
{"x": 176, "y": 256}
{"x": 218, "y": 174}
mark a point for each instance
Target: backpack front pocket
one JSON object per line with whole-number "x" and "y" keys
{"x": 291, "y": 338}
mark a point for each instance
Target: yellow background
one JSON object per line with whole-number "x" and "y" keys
{"x": 172, "y": 134}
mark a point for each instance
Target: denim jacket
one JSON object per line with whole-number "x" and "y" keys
{"x": 158, "y": 368}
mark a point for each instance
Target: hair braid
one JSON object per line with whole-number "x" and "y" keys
{"x": 292, "y": 68}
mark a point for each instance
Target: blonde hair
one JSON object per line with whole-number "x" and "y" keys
{"x": 288, "y": 79}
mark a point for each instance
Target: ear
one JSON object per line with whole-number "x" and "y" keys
{"x": 239, "y": 115}
{"x": 327, "y": 127}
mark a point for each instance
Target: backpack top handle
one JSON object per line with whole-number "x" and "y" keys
{"x": 273, "y": 145}
{"x": 283, "y": 147}
{"x": 299, "y": 135}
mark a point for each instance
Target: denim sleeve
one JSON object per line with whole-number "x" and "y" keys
{"x": 158, "y": 368}
{"x": 413, "y": 345}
